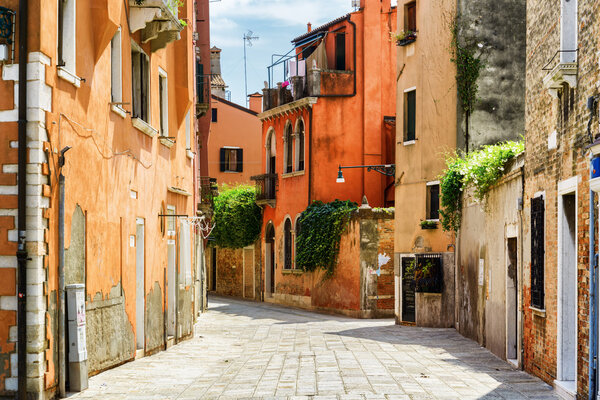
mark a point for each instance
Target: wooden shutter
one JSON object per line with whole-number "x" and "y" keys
{"x": 240, "y": 160}
{"x": 411, "y": 17}
{"x": 223, "y": 161}
{"x": 537, "y": 252}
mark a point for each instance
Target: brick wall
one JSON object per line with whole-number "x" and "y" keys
{"x": 546, "y": 166}
{"x": 235, "y": 275}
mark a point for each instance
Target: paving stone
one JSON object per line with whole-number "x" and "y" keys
{"x": 247, "y": 350}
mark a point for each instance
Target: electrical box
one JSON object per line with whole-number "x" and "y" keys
{"x": 78, "y": 371}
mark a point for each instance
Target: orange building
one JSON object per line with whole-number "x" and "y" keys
{"x": 335, "y": 106}
{"x": 101, "y": 129}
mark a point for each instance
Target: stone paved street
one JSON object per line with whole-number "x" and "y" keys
{"x": 254, "y": 350}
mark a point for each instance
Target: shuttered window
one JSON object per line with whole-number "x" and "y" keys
{"x": 410, "y": 101}
{"x": 537, "y": 252}
{"x": 232, "y": 159}
{"x": 411, "y": 17}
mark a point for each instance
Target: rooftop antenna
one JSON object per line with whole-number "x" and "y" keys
{"x": 356, "y": 4}
{"x": 248, "y": 38}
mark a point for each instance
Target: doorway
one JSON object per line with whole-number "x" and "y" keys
{"x": 408, "y": 289}
{"x": 171, "y": 286}
{"x": 512, "y": 308}
{"x": 139, "y": 283}
{"x": 567, "y": 292}
{"x": 270, "y": 260}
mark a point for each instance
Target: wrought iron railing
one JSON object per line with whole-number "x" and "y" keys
{"x": 266, "y": 187}
{"x": 208, "y": 189}
{"x": 202, "y": 92}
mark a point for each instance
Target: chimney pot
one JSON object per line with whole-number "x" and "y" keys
{"x": 309, "y": 27}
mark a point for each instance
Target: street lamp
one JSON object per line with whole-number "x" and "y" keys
{"x": 384, "y": 169}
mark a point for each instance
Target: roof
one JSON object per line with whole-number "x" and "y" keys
{"x": 215, "y": 49}
{"x": 234, "y": 105}
{"x": 255, "y": 94}
{"x": 321, "y": 28}
{"x": 217, "y": 80}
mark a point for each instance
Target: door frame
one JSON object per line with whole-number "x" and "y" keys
{"x": 400, "y": 287}
{"x": 140, "y": 327}
{"x": 512, "y": 234}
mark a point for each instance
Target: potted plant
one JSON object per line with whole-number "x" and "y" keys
{"x": 429, "y": 224}
{"x": 404, "y": 38}
{"x": 427, "y": 276}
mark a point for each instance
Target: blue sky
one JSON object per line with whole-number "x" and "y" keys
{"x": 275, "y": 22}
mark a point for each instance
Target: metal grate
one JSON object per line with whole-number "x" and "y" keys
{"x": 433, "y": 280}
{"x": 537, "y": 252}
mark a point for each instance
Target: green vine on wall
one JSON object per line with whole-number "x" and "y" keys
{"x": 466, "y": 55}
{"x": 321, "y": 228}
{"x": 482, "y": 169}
{"x": 237, "y": 218}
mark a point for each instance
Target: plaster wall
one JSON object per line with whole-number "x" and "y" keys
{"x": 236, "y": 126}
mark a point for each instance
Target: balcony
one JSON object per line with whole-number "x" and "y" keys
{"x": 158, "y": 20}
{"x": 565, "y": 72}
{"x": 208, "y": 189}
{"x": 266, "y": 188}
{"x": 203, "y": 94}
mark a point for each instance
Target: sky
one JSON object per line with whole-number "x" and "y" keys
{"x": 275, "y": 22}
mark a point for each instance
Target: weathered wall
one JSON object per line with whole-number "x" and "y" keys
{"x": 481, "y": 307}
{"x": 549, "y": 162}
{"x": 358, "y": 287}
{"x": 499, "y": 26}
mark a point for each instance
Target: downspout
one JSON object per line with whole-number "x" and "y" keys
{"x": 592, "y": 292}
{"x": 310, "y": 135}
{"x": 22, "y": 193}
{"x": 62, "y": 353}
{"x": 522, "y": 274}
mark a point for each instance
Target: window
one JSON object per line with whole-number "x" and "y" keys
{"x": 410, "y": 98}
{"x": 171, "y": 223}
{"x": 116, "y": 76}
{"x": 188, "y": 132}
{"x": 433, "y": 200}
{"x": 232, "y": 159}
{"x": 287, "y": 243}
{"x": 200, "y": 83}
{"x": 410, "y": 17}
{"x": 340, "y": 51}
{"x": 296, "y": 235}
{"x": 163, "y": 98}
{"x": 66, "y": 34}
{"x": 140, "y": 83}
{"x": 300, "y": 146}
{"x": 568, "y": 31}
{"x": 214, "y": 115}
{"x": 537, "y": 252}
{"x": 289, "y": 144}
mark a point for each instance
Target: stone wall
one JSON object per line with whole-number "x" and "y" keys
{"x": 238, "y": 272}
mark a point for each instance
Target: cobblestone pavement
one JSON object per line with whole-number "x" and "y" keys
{"x": 245, "y": 350}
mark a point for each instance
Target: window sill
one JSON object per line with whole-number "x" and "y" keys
{"x": 409, "y": 142}
{"x": 118, "y": 110}
{"x": 231, "y": 172}
{"x": 292, "y": 271}
{"x": 68, "y": 76}
{"x": 166, "y": 142}
{"x": 144, "y": 127}
{"x": 190, "y": 154}
{"x": 538, "y": 312}
{"x": 292, "y": 174}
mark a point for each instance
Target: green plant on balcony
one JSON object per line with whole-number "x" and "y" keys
{"x": 404, "y": 37}
{"x": 237, "y": 218}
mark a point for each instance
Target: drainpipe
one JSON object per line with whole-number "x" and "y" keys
{"x": 522, "y": 274}
{"x": 592, "y": 290}
{"x": 61, "y": 278}
{"x": 22, "y": 256}
{"x": 310, "y": 135}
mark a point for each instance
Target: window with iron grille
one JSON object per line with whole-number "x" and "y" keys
{"x": 429, "y": 273}
{"x": 287, "y": 239}
{"x": 537, "y": 252}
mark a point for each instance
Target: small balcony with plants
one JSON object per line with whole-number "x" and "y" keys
{"x": 404, "y": 38}
{"x": 266, "y": 189}
{"x": 157, "y": 19}
{"x": 208, "y": 189}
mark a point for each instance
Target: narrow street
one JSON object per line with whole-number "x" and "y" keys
{"x": 254, "y": 350}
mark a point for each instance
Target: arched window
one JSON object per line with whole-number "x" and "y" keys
{"x": 300, "y": 146}
{"x": 289, "y": 144}
{"x": 271, "y": 151}
{"x": 287, "y": 244}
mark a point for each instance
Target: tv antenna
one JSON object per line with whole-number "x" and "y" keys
{"x": 248, "y": 38}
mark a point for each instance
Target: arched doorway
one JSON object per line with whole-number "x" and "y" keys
{"x": 270, "y": 259}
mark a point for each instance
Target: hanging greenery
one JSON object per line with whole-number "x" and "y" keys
{"x": 321, "y": 228}
{"x": 237, "y": 218}
{"x": 481, "y": 169}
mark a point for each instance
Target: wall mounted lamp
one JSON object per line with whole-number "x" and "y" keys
{"x": 384, "y": 169}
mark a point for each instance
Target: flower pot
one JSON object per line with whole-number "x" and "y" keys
{"x": 407, "y": 40}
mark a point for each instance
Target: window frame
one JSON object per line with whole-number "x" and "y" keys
{"x": 430, "y": 214}
{"x": 288, "y": 148}
{"x": 288, "y": 246}
{"x": 226, "y": 164}
{"x": 163, "y": 103}
{"x": 144, "y": 84}
{"x": 407, "y": 138}
{"x": 300, "y": 145}
{"x": 410, "y": 19}
{"x": 538, "y": 252}
{"x": 214, "y": 115}
{"x": 116, "y": 69}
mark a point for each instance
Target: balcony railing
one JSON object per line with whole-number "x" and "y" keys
{"x": 202, "y": 94}
{"x": 266, "y": 188}
{"x": 158, "y": 20}
{"x": 208, "y": 189}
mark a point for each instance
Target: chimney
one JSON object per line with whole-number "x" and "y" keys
{"x": 309, "y": 27}
{"x": 256, "y": 102}
{"x": 217, "y": 84}
{"x": 215, "y": 60}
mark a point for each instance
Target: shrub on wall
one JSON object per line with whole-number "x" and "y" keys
{"x": 321, "y": 228}
{"x": 237, "y": 218}
{"x": 481, "y": 169}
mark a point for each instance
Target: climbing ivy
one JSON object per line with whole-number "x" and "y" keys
{"x": 321, "y": 228}
{"x": 466, "y": 55}
{"x": 237, "y": 217}
{"x": 481, "y": 169}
